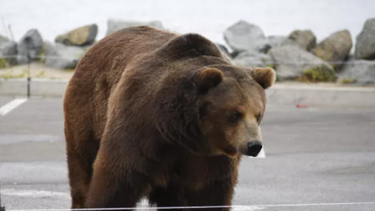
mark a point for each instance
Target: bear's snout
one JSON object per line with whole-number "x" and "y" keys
{"x": 253, "y": 148}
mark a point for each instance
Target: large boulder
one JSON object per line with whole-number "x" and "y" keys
{"x": 29, "y": 46}
{"x": 60, "y": 56}
{"x": 292, "y": 62}
{"x": 305, "y": 39}
{"x": 115, "y": 25}
{"x": 365, "y": 42}
{"x": 81, "y": 36}
{"x": 359, "y": 72}
{"x": 223, "y": 49}
{"x": 276, "y": 41}
{"x": 9, "y": 50}
{"x": 252, "y": 59}
{"x": 244, "y": 36}
{"x": 335, "y": 48}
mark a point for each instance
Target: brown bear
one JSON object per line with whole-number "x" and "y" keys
{"x": 154, "y": 114}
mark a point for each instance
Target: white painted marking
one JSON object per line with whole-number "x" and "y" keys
{"x": 143, "y": 204}
{"x": 261, "y": 154}
{"x": 320, "y": 204}
{"x": 234, "y": 207}
{"x": 34, "y": 193}
{"x": 11, "y": 105}
{"x": 247, "y": 208}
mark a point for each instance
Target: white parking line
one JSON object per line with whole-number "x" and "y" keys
{"x": 234, "y": 207}
{"x": 143, "y": 204}
{"x": 34, "y": 193}
{"x": 11, "y": 105}
{"x": 261, "y": 154}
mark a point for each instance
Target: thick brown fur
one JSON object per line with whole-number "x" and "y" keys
{"x": 143, "y": 119}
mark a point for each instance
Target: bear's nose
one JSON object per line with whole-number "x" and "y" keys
{"x": 253, "y": 148}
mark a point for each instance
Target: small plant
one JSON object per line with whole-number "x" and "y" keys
{"x": 42, "y": 54}
{"x": 271, "y": 66}
{"x": 319, "y": 74}
{"x": 69, "y": 69}
{"x": 3, "y": 63}
{"x": 347, "y": 80}
{"x": 40, "y": 74}
{"x": 10, "y": 75}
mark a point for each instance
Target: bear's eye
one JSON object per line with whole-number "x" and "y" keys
{"x": 235, "y": 117}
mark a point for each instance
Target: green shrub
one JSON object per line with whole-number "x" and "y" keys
{"x": 319, "y": 74}
{"x": 3, "y": 63}
{"x": 347, "y": 80}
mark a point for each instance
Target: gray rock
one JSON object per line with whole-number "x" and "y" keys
{"x": 365, "y": 41}
{"x": 244, "y": 36}
{"x": 81, "y": 36}
{"x": 61, "y": 56}
{"x": 292, "y": 62}
{"x": 277, "y": 41}
{"x": 29, "y": 46}
{"x": 251, "y": 59}
{"x": 303, "y": 38}
{"x": 115, "y": 25}
{"x": 335, "y": 48}
{"x": 359, "y": 72}
{"x": 223, "y": 49}
{"x": 9, "y": 51}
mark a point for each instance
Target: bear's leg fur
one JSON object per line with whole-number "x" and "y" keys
{"x": 79, "y": 177}
{"x": 218, "y": 193}
{"x": 114, "y": 185}
{"x": 81, "y": 147}
{"x": 167, "y": 197}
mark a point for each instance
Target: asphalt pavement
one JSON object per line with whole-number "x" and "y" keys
{"x": 316, "y": 159}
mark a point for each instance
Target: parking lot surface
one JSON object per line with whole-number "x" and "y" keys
{"x": 316, "y": 159}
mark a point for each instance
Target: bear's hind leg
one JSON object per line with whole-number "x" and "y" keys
{"x": 80, "y": 173}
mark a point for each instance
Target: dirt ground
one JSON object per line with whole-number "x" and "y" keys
{"x": 37, "y": 70}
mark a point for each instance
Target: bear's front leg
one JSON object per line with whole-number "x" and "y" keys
{"x": 115, "y": 186}
{"x": 218, "y": 193}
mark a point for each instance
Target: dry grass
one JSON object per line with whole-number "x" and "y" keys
{"x": 37, "y": 70}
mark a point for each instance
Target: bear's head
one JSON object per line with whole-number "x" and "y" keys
{"x": 214, "y": 109}
{"x": 231, "y": 107}
{"x": 219, "y": 111}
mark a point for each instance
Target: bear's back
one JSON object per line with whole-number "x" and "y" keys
{"x": 100, "y": 70}
{"x": 109, "y": 57}
{"x": 140, "y": 57}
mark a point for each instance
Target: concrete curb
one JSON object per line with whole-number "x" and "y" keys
{"x": 280, "y": 94}
{"x": 319, "y": 96}
{"x": 38, "y": 87}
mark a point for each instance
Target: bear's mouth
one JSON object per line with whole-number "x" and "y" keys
{"x": 230, "y": 151}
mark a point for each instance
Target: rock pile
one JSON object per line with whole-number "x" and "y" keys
{"x": 67, "y": 49}
{"x": 298, "y": 56}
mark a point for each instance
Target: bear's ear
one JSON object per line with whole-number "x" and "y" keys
{"x": 264, "y": 76}
{"x": 208, "y": 78}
